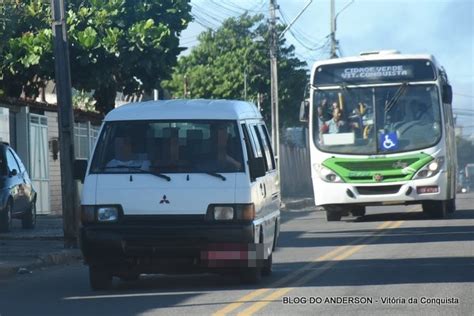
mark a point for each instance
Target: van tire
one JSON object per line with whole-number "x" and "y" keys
{"x": 29, "y": 219}
{"x": 99, "y": 278}
{"x": 251, "y": 275}
{"x": 435, "y": 209}
{"x": 267, "y": 265}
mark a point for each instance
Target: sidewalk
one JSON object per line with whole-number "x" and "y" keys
{"x": 24, "y": 250}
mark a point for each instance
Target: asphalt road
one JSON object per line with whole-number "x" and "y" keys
{"x": 393, "y": 261}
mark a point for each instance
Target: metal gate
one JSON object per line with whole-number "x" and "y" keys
{"x": 39, "y": 169}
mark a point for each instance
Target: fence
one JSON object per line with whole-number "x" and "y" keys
{"x": 295, "y": 172}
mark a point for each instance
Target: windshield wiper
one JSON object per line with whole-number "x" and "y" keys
{"x": 217, "y": 175}
{"x": 136, "y": 168}
{"x": 400, "y": 91}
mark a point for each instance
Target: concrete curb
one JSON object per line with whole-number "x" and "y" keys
{"x": 26, "y": 265}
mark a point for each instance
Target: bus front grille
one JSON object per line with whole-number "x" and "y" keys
{"x": 376, "y": 190}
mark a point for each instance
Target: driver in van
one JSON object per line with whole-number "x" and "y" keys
{"x": 224, "y": 160}
{"x": 124, "y": 155}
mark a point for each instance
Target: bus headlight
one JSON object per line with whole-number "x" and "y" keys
{"x": 430, "y": 169}
{"x": 326, "y": 174}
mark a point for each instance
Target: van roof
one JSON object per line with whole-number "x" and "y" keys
{"x": 177, "y": 109}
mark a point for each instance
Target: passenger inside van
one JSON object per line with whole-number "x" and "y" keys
{"x": 223, "y": 158}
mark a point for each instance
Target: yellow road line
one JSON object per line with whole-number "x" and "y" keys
{"x": 252, "y": 295}
{"x": 337, "y": 254}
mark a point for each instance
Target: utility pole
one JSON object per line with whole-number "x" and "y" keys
{"x": 274, "y": 83}
{"x": 333, "y": 30}
{"x": 65, "y": 123}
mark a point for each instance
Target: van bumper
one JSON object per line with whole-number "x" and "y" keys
{"x": 210, "y": 245}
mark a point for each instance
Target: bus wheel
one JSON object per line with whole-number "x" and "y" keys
{"x": 435, "y": 209}
{"x": 358, "y": 210}
{"x": 333, "y": 213}
{"x": 451, "y": 206}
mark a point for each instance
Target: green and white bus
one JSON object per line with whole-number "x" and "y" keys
{"x": 381, "y": 132}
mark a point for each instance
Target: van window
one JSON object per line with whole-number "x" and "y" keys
{"x": 266, "y": 147}
{"x": 191, "y": 146}
{"x": 256, "y": 145}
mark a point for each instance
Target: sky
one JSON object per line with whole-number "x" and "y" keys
{"x": 443, "y": 28}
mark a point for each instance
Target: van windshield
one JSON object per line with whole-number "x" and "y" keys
{"x": 169, "y": 147}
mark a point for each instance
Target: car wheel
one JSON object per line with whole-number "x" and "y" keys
{"x": 435, "y": 209}
{"x": 29, "y": 220}
{"x": 99, "y": 278}
{"x": 6, "y": 218}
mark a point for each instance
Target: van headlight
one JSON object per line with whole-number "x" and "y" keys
{"x": 430, "y": 169}
{"x": 326, "y": 174}
{"x": 231, "y": 212}
{"x": 223, "y": 213}
{"x": 107, "y": 214}
{"x": 99, "y": 214}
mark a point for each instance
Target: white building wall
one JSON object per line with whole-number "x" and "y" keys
{"x": 54, "y": 166}
{"x": 4, "y": 125}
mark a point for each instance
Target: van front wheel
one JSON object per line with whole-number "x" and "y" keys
{"x": 251, "y": 275}
{"x": 99, "y": 278}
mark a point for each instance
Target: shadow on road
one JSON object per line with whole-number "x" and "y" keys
{"x": 381, "y": 271}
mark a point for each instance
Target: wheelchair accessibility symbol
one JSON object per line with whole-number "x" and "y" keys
{"x": 388, "y": 141}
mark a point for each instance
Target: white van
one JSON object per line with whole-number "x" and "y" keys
{"x": 180, "y": 186}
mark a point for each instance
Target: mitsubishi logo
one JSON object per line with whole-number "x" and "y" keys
{"x": 164, "y": 200}
{"x": 378, "y": 177}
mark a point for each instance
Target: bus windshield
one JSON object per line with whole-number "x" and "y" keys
{"x": 376, "y": 120}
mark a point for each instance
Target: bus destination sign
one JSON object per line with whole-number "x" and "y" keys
{"x": 375, "y": 71}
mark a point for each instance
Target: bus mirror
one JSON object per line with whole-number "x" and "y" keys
{"x": 304, "y": 111}
{"x": 447, "y": 94}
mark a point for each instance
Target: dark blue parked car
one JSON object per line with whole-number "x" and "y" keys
{"x": 17, "y": 196}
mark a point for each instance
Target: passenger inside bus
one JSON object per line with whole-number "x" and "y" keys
{"x": 337, "y": 124}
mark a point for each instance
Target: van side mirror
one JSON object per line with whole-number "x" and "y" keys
{"x": 257, "y": 168}
{"x": 304, "y": 111}
{"x": 13, "y": 173}
{"x": 80, "y": 168}
{"x": 447, "y": 94}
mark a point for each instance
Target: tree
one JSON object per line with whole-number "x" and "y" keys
{"x": 115, "y": 46}
{"x": 26, "y": 62}
{"x": 237, "y": 52}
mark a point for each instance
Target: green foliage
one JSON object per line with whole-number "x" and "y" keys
{"x": 25, "y": 47}
{"x": 114, "y": 45}
{"x": 218, "y": 65}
